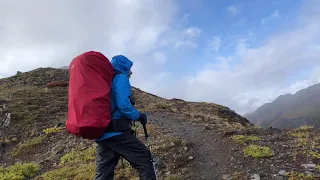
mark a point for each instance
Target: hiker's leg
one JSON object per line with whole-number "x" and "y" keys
{"x": 106, "y": 161}
{"x": 134, "y": 151}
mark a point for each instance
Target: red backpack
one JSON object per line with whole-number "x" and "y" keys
{"x": 89, "y": 104}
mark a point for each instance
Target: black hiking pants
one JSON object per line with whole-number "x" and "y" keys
{"x": 129, "y": 147}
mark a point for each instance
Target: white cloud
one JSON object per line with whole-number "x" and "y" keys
{"x": 185, "y": 18}
{"x": 41, "y": 34}
{"x": 274, "y": 15}
{"x": 191, "y": 32}
{"x": 185, "y": 43}
{"x": 187, "y": 37}
{"x": 256, "y": 75}
{"x": 143, "y": 30}
{"x": 160, "y": 57}
{"x": 151, "y": 83}
{"x": 214, "y": 44}
{"x": 232, "y": 10}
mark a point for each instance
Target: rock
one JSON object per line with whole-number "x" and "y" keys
{"x": 226, "y": 177}
{"x": 282, "y": 173}
{"x": 309, "y": 166}
{"x": 255, "y": 177}
{"x": 185, "y": 148}
{"x": 168, "y": 173}
{"x": 279, "y": 178}
{"x": 308, "y": 173}
{"x": 281, "y": 155}
{"x": 190, "y": 157}
{"x": 206, "y": 127}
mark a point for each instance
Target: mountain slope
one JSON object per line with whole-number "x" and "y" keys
{"x": 190, "y": 140}
{"x": 290, "y": 111}
{"x": 34, "y": 134}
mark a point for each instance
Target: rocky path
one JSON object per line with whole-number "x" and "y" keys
{"x": 211, "y": 152}
{"x": 216, "y": 157}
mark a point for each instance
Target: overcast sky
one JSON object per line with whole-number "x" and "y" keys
{"x": 240, "y": 54}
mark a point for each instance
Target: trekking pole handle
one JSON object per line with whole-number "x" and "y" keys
{"x": 145, "y": 130}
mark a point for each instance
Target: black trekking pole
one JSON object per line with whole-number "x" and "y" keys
{"x": 149, "y": 147}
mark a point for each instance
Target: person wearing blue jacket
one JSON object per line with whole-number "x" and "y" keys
{"x": 118, "y": 139}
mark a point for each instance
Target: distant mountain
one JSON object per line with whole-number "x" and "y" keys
{"x": 290, "y": 111}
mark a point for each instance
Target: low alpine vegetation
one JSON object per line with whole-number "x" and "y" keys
{"x": 305, "y": 128}
{"x": 301, "y": 132}
{"x": 312, "y": 154}
{"x": 241, "y": 139}
{"x": 75, "y": 172}
{"x": 304, "y": 137}
{"x": 19, "y": 171}
{"x": 28, "y": 146}
{"x": 295, "y": 175}
{"x": 257, "y": 151}
{"x": 78, "y": 156}
{"x": 52, "y": 130}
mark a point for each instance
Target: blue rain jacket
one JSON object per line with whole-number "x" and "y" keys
{"x": 120, "y": 96}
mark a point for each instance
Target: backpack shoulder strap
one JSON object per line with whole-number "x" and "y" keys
{"x": 114, "y": 75}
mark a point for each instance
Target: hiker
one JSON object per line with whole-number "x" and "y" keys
{"x": 118, "y": 139}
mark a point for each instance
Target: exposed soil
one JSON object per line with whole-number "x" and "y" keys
{"x": 210, "y": 151}
{"x": 216, "y": 156}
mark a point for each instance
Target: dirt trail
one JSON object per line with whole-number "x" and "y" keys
{"x": 211, "y": 151}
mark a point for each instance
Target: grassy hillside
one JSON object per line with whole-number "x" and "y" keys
{"x": 35, "y": 147}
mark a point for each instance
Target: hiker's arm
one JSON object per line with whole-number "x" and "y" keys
{"x": 123, "y": 91}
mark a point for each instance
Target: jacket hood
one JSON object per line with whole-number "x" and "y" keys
{"x": 122, "y": 64}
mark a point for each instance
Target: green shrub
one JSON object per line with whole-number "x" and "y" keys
{"x": 312, "y": 154}
{"x": 172, "y": 177}
{"x": 74, "y": 172}
{"x": 19, "y": 171}
{"x": 296, "y": 175}
{"x": 305, "y": 128}
{"x": 177, "y": 141}
{"x": 79, "y": 156}
{"x": 53, "y": 130}
{"x": 243, "y": 139}
{"x": 257, "y": 151}
{"x": 28, "y": 146}
{"x": 299, "y": 134}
